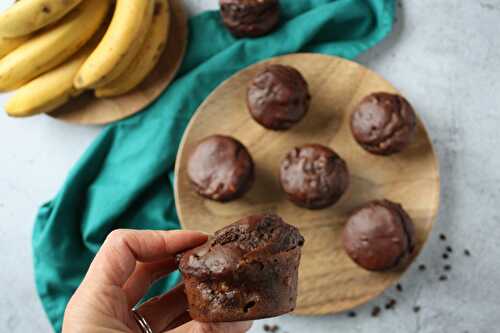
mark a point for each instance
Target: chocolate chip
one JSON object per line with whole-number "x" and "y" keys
{"x": 416, "y": 309}
{"x": 467, "y": 252}
{"x": 399, "y": 287}
{"x": 445, "y": 256}
{"x": 443, "y": 278}
{"x": 449, "y": 249}
{"x": 248, "y": 306}
{"x": 270, "y": 328}
{"x": 447, "y": 267}
{"x": 351, "y": 314}
{"x": 376, "y": 311}
{"x": 442, "y": 237}
{"x": 422, "y": 268}
{"x": 390, "y": 304}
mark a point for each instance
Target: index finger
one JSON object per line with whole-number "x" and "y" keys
{"x": 116, "y": 260}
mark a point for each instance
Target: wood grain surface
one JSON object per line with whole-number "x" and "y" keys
{"x": 329, "y": 281}
{"x": 87, "y": 109}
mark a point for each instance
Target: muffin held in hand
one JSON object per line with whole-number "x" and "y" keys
{"x": 314, "y": 176}
{"x": 278, "y": 97}
{"x": 220, "y": 168}
{"x": 250, "y": 18}
{"x": 379, "y": 236}
{"x": 384, "y": 123}
{"x": 248, "y": 271}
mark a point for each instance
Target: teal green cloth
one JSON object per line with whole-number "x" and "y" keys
{"x": 125, "y": 178}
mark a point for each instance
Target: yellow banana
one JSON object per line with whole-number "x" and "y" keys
{"x": 25, "y": 17}
{"x": 52, "y": 46}
{"x": 121, "y": 43}
{"x": 52, "y": 89}
{"x": 148, "y": 56}
{"x": 8, "y": 45}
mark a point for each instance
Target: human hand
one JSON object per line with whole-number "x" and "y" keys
{"x": 128, "y": 263}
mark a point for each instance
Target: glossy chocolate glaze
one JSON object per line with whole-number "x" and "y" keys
{"x": 278, "y": 97}
{"x": 249, "y": 270}
{"x": 384, "y": 123}
{"x": 220, "y": 168}
{"x": 314, "y": 176}
{"x": 250, "y": 18}
{"x": 379, "y": 236}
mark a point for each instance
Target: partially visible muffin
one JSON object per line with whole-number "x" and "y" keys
{"x": 278, "y": 97}
{"x": 248, "y": 271}
{"x": 220, "y": 168}
{"x": 314, "y": 176}
{"x": 250, "y": 18}
{"x": 384, "y": 123}
{"x": 379, "y": 236}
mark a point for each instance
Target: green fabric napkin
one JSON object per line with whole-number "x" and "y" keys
{"x": 125, "y": 179}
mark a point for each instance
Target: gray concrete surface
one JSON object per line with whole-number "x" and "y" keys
{"x": 445, "y": 57}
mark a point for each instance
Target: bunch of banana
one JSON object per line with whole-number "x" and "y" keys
{"x": 51, "y": 89}
{"x": 53, "y": 50}
{"x": 147, "y": 58}
{"x": 52, "y": 46}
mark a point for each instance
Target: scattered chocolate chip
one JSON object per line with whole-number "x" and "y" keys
{"x": 442, "y": 237}
{"x": 399, "y": 287}
{"x": 422, "y": 268}
{"x": 390, "y": 304}
{"x": 443, "y": 278}
{"x": 467, "y": 252}
{"x": 445, "y": 256}
{"x": 351, "y": 314}
{"x": 416, "y": 309}
{"x": 376, "y": 311}
{"x": 271, "y": 328}
{"x": 447, "y": 267}
{"x": 449, "y": 249}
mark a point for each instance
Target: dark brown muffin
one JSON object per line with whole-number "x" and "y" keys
{"x": 379, "y": 236}
{"x": 314, "y": 176}
{"x": 221, "y": 168}
{"x": 248, "y": 271}
{"x": 278, "y": 97}
{"x": 384, "y": 123}
{"x": 250, "y": 18}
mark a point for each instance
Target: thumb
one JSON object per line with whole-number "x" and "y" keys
{"x": 197, "y": 327}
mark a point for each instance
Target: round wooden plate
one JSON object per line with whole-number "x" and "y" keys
{"x": 329, "y": 281}
{"x": 88, "y": 110}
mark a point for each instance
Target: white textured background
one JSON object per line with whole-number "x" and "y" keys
{"x": 444, "y": 55}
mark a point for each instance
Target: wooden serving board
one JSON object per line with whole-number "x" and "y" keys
{"x": 89, "y": 110}
{"x": 329, "y": 281}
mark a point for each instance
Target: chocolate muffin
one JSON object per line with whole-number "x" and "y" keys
{"x": 379, "y": 236}
{"x": 248, "y": 271}
{"x": 250, "y": 18}
{"x": 384, "y": 123}
{"x": 220, "y": 168}
{"x": 278, "y": 97}
{"x": 314, "y": 176}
